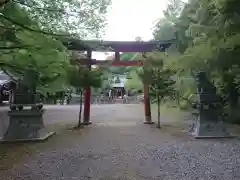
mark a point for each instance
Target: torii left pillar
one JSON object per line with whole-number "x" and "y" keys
{"x": 87, "y": 97}
{"x": 147, "y": 106}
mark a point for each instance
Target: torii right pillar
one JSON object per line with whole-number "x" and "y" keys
{"x": 147, "y": 106}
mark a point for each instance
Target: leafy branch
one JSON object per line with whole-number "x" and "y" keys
{"x": 70, "y": 13}
{"x": 14, "y": 47}
{"x": 3, "y": 2}
{"x": 34, "y": 30}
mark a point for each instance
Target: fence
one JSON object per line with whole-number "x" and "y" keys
{"x": 107, "y": 100}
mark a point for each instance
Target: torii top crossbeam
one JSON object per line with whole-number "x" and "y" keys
{"x": 116, "y": 46}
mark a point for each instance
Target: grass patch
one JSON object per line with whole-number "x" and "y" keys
{"x": 173, "y": 120}
{"x": 176, "y": 121}
{"x": 173, "y": 114}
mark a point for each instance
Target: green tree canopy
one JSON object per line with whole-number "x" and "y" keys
{"x": 30, "y": 34}
{"x": 22, "y": 49}
{"x": 81, "y": 77}
{"x": 208, "y": 39}
{"x": 76, "y": 17}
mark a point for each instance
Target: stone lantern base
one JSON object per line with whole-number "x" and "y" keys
{"x": 210, "y": 130}
{"x": 24, "y": 126}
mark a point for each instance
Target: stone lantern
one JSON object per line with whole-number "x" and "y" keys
{"x": 208, "y": 123}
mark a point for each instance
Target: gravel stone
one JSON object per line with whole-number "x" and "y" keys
{"x": 118, "y": 146}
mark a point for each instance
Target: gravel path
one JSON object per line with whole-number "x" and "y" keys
{"x": 119, "y": 146}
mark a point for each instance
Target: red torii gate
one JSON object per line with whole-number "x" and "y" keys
{"x": 116, "y": 47}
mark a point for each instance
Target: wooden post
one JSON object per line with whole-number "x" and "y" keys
{"x": 117, "y": 57}
{"x": 87, "y": 98}
{"x": 147, "y": 107}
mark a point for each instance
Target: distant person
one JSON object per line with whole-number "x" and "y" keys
{"x": 101, "y": 98}
{"x": 110, "y": 96}
{"x": 125, "y": 98}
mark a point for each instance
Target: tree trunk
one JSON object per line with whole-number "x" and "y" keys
{"x": 178, "y": 98}
{"x": 80, "y": 110}
{"x": 158, "y": 109}
{"x": 54, "y": 99}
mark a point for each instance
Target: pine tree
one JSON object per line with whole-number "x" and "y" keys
{"x": 160, "y": 80}
{"x": 81, "y": 77}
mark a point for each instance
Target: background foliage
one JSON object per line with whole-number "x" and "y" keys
{"x": 31, "y": 33}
